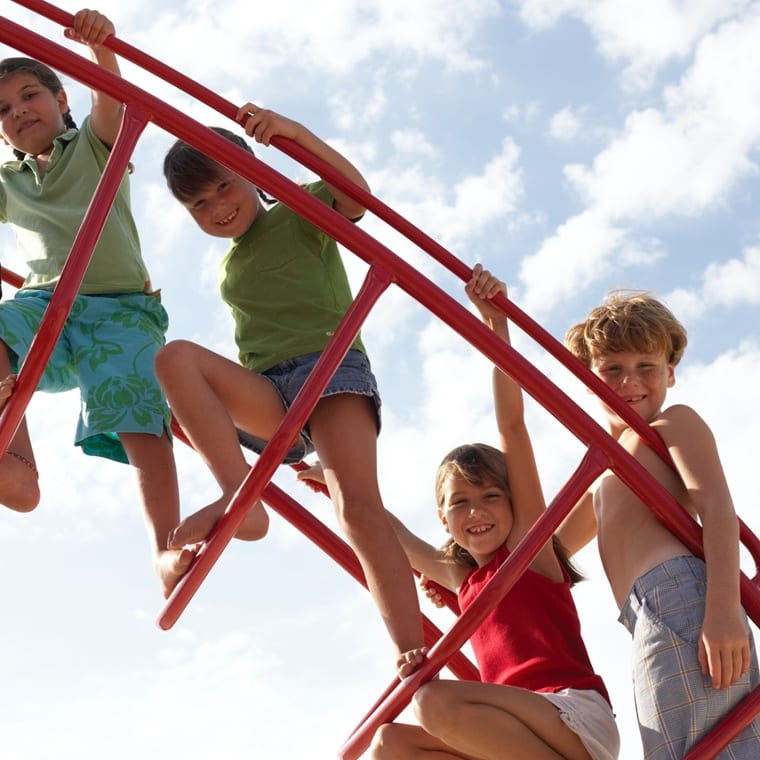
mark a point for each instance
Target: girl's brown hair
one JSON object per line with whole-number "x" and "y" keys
{"x": 46, "y": 77}
{"x": 479, "y": 464}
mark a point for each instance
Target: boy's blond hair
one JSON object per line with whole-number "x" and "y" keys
{"x": 628, "y": 321}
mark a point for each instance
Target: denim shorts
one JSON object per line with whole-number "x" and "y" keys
{"x": 676, "y": 704}
{"x": 106, "y": 349}
{"x": 353, "y": 375}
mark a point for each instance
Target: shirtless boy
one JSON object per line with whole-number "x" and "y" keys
{"x": 693, "y": 654}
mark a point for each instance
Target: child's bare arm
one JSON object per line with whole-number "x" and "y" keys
{"x": 724, "y": 645}
{"x": 263, "y": 125}
{"x": 526, "y": 493}
{"x": 579, "y": 527}
{"x": 92, "y": 28}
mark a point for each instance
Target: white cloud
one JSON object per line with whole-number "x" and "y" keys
{"x": 459, "y": 212}
{"x": 334, "y": 36}
{"x": 571, "y": 259}
{"x": 735, "y": 282}
{"x": 565, "y": 124}
{"x": 676, "y": 161}
{"x": 684, "y": 157}
{"x": 643, "y": 34}
{"x": 524, "y": 114}
{"x": 412, "y": 142}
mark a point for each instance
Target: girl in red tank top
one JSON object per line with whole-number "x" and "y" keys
{"x": 539, "y": 696}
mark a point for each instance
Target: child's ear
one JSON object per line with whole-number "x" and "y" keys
{"x": 444, "y": 521}
{"x": 63, "y": 101}
{"x": 671, "y": 375}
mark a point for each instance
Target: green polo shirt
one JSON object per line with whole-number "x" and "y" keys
{"x": 286, "y": 286}
{"x": 46, "y": 211}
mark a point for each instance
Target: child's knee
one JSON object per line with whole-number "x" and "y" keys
{"x": 360, "y": 515}
{"x": 386, "y": 744}
{"x": 433, "y": 706}
{"x": 19, "y": 489}
{"x": 171, "y": 357}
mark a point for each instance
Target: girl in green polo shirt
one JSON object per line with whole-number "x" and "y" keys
{"x": 116, "y": 324}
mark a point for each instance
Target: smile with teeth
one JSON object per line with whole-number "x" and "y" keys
{"x": 478, "y": 529}
{"x": 227, "y": 219}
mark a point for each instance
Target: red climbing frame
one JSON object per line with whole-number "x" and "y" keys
{"x": 385, "y": 269}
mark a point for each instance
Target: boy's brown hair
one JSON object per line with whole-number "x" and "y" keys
{"x": 628, "y": 321}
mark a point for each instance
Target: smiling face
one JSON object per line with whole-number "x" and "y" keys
{"x": 641, "y": 380}
{"x": 477, "y": 515}
{"x": 225, "y": 207}
{"x": 31, "y": 115}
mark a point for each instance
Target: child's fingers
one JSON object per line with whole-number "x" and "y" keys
{"x": 90, "y": 27}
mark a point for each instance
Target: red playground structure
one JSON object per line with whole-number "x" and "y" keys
{"x": 386, "y": 269}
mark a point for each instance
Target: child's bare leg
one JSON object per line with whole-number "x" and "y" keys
{"x": 19, "y": 480}
{"x": 345, "y": 435}
{"x": 210, "y": 395}
{"x": 153, "y": 460}
{"x": 400, "y": 741}
{"x": 486, "y": 720}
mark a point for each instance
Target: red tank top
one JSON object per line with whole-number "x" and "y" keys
{"x": 532, "y": 638}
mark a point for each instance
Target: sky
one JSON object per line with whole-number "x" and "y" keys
{"x": 571, "y": 146}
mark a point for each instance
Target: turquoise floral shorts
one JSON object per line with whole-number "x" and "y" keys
{"x": 106, "y": 349}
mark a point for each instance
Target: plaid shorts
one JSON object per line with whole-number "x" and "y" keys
{"x": 106, "y": 349}
{"x": 676, "y": 704}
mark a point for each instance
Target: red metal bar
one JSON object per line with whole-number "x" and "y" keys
{"x": 723, "y": 733}
{"x": 354, "y": 242}
{"x": 373, "y": 204}
{"x": 16, "y": 280}
{"x": 407, "y": 278}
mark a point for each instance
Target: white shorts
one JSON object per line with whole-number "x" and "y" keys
{"x": 586, "y": 713}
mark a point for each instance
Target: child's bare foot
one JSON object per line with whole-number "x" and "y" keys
{"x": 313, "y": 477}
{"x": 19, "y": 486}
{"x": 196, "y": 527}
{"x": 171, "y": 565}
{"x": 408, "y": 662}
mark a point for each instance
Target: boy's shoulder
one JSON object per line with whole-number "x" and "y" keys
{"x": 680, "y": 423}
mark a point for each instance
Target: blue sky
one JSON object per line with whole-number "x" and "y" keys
{"x": 573, "y": 147}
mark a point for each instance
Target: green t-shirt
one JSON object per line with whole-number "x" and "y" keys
{"x": 286, "y": 287}
{"x": 46, "y": 212}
